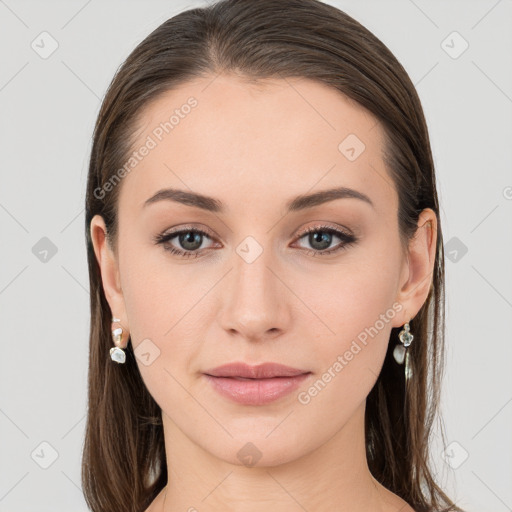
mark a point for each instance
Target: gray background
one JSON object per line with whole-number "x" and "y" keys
{"x": 48, "y": 108}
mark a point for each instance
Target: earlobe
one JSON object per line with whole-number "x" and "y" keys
{"x": 421, "y": 259}
{"x": 109, "y": 268}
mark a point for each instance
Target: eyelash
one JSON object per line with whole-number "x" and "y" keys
{"x": 347, "y": 240}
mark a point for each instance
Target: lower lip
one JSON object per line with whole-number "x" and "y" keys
{"x": 256, "y": 391}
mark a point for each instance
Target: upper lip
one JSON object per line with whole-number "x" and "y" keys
{"x": 261, "y": 371}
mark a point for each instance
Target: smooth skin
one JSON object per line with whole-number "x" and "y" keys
{"x": 254, "y": 148}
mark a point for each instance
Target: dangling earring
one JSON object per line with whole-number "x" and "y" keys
{"x": 400, "y": 352}
{"x": 117, "y": 353}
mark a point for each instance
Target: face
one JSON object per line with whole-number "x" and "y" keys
{"x": 252, "y": 274}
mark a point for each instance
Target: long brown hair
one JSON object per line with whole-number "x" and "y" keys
{"x": 124, "y": 461}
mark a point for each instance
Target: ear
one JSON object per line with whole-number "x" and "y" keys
{"x": 109, "y": 268}
{"x": 418, "y": 267}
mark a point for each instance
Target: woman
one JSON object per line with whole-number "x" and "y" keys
{"x": 266, "y": 266}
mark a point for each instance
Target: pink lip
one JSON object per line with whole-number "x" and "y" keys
{"x": 255, "y": 385}
{"x": 260, "y": 371}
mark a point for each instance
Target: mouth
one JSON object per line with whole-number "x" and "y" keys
{"x": 255, "y": 385}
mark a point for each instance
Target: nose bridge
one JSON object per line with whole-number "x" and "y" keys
{"x": 254, "y": 304}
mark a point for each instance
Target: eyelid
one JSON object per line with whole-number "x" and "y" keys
{"x": 190, "y": 227}
{"x": 325, "y": 226}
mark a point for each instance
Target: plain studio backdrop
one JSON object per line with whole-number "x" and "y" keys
{"x": 57, "y": 61}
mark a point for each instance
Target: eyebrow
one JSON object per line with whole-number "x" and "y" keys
{"x": 301, "y": 202}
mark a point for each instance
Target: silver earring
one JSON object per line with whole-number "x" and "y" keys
{"x": 117, "y": 354}
{"x": 400, "y": 353}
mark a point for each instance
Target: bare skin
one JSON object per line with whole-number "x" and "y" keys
{"x": 254, "y": 148}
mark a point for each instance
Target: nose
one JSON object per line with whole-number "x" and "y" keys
{"x": 255, "y": 301}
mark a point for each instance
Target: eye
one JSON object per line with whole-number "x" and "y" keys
{"x": 189, "y": 239}
{"x": 321, "y": 237}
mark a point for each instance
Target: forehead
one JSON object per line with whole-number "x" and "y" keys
{"x": 225, "y": 137}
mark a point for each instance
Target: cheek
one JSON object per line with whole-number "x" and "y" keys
{"x": 154, "y": 306}
{"x": 355, "y": 302}
{"x": 151, "y": 287}
{"x": 359, "y": 310}
{"x": 349, "y": 299}
{"x": 161, "y": 303}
